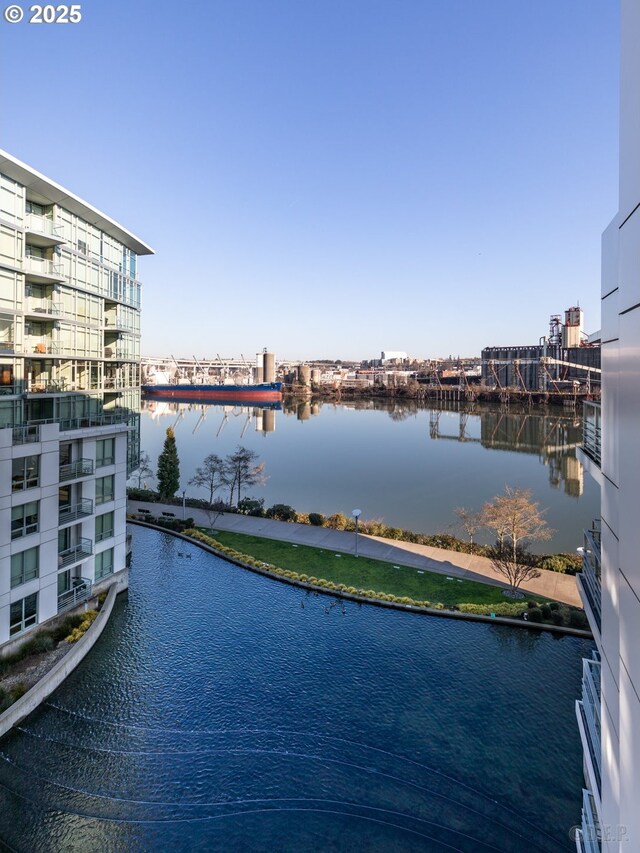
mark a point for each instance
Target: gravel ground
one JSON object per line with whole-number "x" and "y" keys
{"x": 31, "y": 669}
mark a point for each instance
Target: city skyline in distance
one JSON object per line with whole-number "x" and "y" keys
{"x": 426, "y": 177}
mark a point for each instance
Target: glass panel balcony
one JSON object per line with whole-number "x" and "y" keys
{"x": 43, "y": 226}
{"x": 75, "y": 554}
{"x": 26, "y": 434}
{"x": 36, "y": 268}
{"x": 591, "y": 430}
{"x": 43, "y": 307}
{"x": 589, "y": 837}
{"x": 588, "y": 712}
{"x": 80, "y": 590}
{"x": 73, "y": 512}
{"x": 79, "y": 468}
{"x": 589, "y": 578}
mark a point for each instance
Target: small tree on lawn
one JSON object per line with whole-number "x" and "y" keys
{"x": 168, "y": 475}
{"x": 241, "y": 471}
{"x": 516, "y": 520}
{"x": 144, "y": 468}
{"x": 210, "y": 476}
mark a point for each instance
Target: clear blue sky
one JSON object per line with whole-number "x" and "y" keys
{"x": 331, "y": 178}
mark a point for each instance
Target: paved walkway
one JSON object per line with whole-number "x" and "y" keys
{"x": 451, "y": 563}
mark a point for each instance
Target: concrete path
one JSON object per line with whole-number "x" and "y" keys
{"x": 552, "y": 585}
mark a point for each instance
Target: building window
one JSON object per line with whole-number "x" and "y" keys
{"x": 104, "y": 564}
{"x": 105, "y": 452}
{"x": 24, "y": 566}
{"x": 24, "y": 473}
{"x": 24, "y": 519}
{"x": 104, "y": 526}
{"x": 82, "y": 247}
{"x": 23, "y": 614}
{"x": 104, "y": 489}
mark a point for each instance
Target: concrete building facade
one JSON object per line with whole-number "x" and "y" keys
{"x": 609, "y": 710}
{"x": 69, "y": 396}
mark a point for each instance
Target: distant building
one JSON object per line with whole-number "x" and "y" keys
{"x": 70, "y": 396}
{"x": 387, "y": 356}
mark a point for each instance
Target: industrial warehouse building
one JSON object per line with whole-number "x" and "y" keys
{"x": 69, "y": 396}
{"x": 565, "y": 359}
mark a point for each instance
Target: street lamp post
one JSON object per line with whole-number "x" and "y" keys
{"x": 184, "y": 515}
{"x": 356, "y": 513}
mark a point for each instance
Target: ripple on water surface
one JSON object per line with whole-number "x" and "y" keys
{"x": 224, "y": 711}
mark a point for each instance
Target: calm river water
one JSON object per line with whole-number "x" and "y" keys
{"x": 409, "y": 464}
{"x": 223, "y": 711}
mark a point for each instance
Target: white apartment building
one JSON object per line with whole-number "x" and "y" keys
{"x": 69, "y": 397}
{"x": 609, "y": 711}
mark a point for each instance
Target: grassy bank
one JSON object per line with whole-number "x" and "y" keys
{"x": 365, "y": 573}
{"x": 384, "y": 581}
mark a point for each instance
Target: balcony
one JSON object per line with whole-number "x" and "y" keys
{"x": 589, "y": 578}
{"x": 588, "y": 837}
{"x": 73, "y": 512}
{"x": 75, "y": 554}
{"x": 42, "y": 269}
{"x": 42, "y": 307}
{"x": 42, "y": 230}
{"x": 80, "y": 591}
{"x": 591, "y": 430}
{"x": 26, "y": 434}
{"x": 588, "y": 714}
{"x": 79, "y": 468}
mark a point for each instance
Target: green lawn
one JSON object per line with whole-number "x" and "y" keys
{"x": 364, "y": 573}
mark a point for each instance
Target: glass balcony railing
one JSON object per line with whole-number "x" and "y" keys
{"x": 79, "y": 468}
{"x": 75, "y": 554}
{"x": 589, "y": 577}
{"x": 72, "y": 512}
{"x": 26, "y": 434}
{"x": 43, "y": 225}
{"x": 591, "y": 430}
{"x": 37, "y": 266}
{"x": 588, "y": 712}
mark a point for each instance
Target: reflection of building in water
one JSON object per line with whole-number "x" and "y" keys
{"x": 264, "y": 417}
{"x": 553, "y": 438}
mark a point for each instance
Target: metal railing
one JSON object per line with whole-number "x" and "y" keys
{"x": 591, "y": 711}
{"x": 80, "y": 591}
{"x": 78, "y": 552}
{"x": 589, "y": 577}
{"x": 590, "y": 834}
{"x": 79, "y": 468}
{"x": 73, "y": 512}
{"x": 26, "y": 434}
{"x": 591, "y": 430}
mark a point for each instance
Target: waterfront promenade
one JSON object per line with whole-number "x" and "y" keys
{"x": 553, "y": 585}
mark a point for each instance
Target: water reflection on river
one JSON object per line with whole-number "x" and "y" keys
{"x": 409, "y": 463}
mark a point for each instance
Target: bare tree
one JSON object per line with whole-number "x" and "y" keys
{"x": 210, "y": 476}
{"x": 240, "y": 471}
{"x": 516, "y": 520}
{"x": 144, "y": 468}
{"x": 469, "y": 521}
